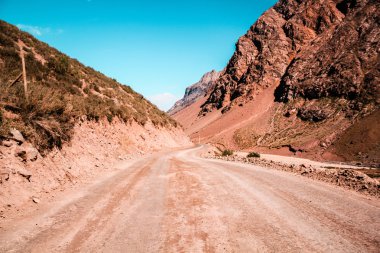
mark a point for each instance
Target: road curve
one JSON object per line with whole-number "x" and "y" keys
{"x": 178, "y": 202}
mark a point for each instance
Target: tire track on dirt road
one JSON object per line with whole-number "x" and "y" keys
{"x": 176, "y": 201}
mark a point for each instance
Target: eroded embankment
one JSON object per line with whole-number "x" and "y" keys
{"x": 27, "y": 178}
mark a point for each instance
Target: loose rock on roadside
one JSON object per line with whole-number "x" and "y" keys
{"x": 347, "y": 178}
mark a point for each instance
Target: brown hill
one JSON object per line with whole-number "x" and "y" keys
{"x": 303, "y": 76}
{"x": 61, "y": 93}
{"x": 75, "y": 126}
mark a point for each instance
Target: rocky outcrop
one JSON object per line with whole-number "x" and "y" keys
{"x": 261, "y": 57}
{"x": 312, "y": 49}
{"x": 343, "y": 62}
{"x": 195, "y": 91}
{"x": 313, "y": 115}
{"x": 17, "y": 136}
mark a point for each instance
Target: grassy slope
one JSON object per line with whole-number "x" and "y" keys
{"x": 61, "y": 92}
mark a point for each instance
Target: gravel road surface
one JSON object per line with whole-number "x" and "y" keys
{"x": 179, "y": 202}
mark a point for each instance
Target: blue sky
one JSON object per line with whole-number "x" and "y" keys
{"x": 156, "y": 47}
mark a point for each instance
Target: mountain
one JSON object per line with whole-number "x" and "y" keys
{"x": 195, "y": 91}
{"x": 303, "y": 80}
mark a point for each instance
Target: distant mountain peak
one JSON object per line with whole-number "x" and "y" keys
{"x": 195, "y": 91}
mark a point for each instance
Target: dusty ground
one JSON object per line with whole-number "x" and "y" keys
{"x": 178, "y": 202}
{"x": 293, "y": 160}
{"x": 217, "y": 127}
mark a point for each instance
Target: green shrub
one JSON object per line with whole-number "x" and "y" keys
{"x": 253, "y": 154}
{"x": 227, "y": 152}
{"x": 60, "y": 64}
{"x": 5, "y": 41}
{"x": 127, "y": 89}
{"x": 63, "y": 65}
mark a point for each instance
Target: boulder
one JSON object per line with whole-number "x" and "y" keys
{"x": 24, "y": 173}
{"x": 35, "y": 200}
{"x": 26, "y": 153}
{"x": 312, "y": 115}
{"x": 290, "y": 113}
{"x": 7, "y": 143}
{"x": 4, "y": 176}
{"x": 17, "y": 136}
{"x": 32, "y": 154}
{"x": 21, "y": 153}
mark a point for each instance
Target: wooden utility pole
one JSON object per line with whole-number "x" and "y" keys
{"x": 23, "y": 69}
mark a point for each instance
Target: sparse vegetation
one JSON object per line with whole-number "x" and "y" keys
{"x": 60, "y": 64}
{"x": 56, "y": 97}
{"x": 96, "y": 88}
{"x": 245, "y": 137}
{"x": 86, "y": 90}
{"x": 227, "y": 152}
{"x": 253, "y": 155}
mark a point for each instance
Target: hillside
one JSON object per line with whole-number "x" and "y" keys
{"x": 302, "y": 81}
{"x": 72, "y": 125}
{"x": 61, "y": 92}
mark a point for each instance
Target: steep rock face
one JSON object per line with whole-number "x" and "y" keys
{"x": 343, "y": 63}
{"x": 297, "y": 40}
{"x": 196, "y": 91}
{"x": 260, "y": 58}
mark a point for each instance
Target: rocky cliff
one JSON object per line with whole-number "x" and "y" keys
{"x": 343, "y": 62}
{"x": 195, "y": 91}
{"x": 306, "y": 74}
{"x": 313, "y": 48}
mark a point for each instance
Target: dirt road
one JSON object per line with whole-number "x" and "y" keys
{"x": 179, "y": 202}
